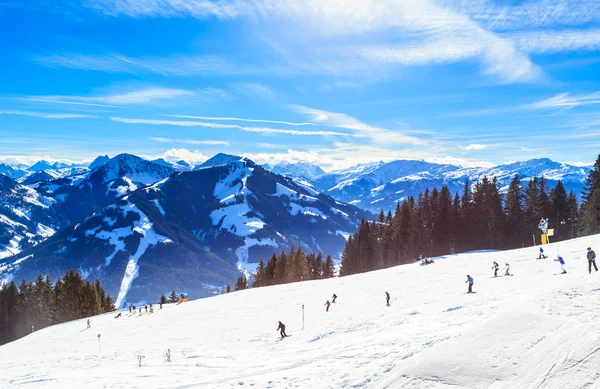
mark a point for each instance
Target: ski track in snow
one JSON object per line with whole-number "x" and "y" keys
{"x": 531, "y": 331}
{"x": 150, "y": 238}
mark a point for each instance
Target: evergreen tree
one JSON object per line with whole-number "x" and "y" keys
{"x": 300, "y": 266}
{"x": 228, "y": 289}
{"x": 467, "y": 222}
{"x": 163, "y": 299}
{"x": 559, "y": 209}
{"x": 590, "y": 209}
{"x": 328, "y": 268}
{"x": 516, "y": 233}
{"x": 241, "y": 283}
{"x": 260, "y": 277}
{"x": 270, "y": 270}
{"x": 573, "y": 217}
{"x": 281, "y": 269}
{"x": 173, "y": 297}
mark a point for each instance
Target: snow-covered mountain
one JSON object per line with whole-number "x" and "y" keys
{"x": 538, "y": 329}
{"x": 381, "y": 185}
{"x": 11, "y": 172}
{"x": 179, "y": 165}
{"x": 302, "y": 170}
{"x": 78, "y": 196}
{"x": 26, "y": 217}
{"x": 192, "y": 230}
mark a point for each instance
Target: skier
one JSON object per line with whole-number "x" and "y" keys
{"x": 151, "y": 310}
{"x": 327, "y": 304}
{"x": 118, "y": 316}
{"x": 542, "y": 255}
{"x": 146, "y": 308}
{"x": 281, "y": 329}
{"x": 134, "y": 309}
{"x": 160, "y": 305}
{"x": 591, "y": 257}
{"x": 89, "y": 325}
{"x": 507, "y": 268}
{"x": 387, "y": 299}
{"x": 130, "y": 309}
{"x": 333, "y": 298}
{"x": 495, "y": 266}
{"x": 562, "y": 264}
{"x": 470, "y": 281}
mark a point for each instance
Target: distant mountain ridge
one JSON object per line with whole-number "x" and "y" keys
{"x": 214, "y": 220}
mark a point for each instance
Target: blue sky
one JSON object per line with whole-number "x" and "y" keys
{"x": 468, "y": 82}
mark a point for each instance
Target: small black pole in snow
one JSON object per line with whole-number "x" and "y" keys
{"x": 98, "y": 343}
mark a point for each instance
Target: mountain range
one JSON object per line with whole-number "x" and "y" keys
{"x": 146, "y": 227}
{"x": 149, "y": 229}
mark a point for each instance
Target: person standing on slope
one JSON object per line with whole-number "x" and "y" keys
{"x": 387, "y": 299}
{"x": 333, "y": 298}
{"x": 281, "y": 330}
{"x": 89, "y": 325}
{"x": 327, "y": 305}
{"x": 470, "y": 282}
{"x": 561, "y": 261}
{"x": 542, "y": 255}
{"x": 495, "y": 266}
{"x": 507, "y": 270}
{"x": 591, "y": 257}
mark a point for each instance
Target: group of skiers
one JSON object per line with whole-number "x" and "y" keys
{"x": 591, "y": 257}
{"x": 133, "y": 309}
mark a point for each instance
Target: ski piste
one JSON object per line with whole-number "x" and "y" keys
{"x": 434, "y": 330}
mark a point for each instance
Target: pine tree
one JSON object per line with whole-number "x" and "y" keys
{"x": 573, "y": 216}
{"x": 163, "y": 299}
{"x": 300, "y": 266}
{"x": 281, "y": 269}
{"x": 173, "y": 297}
{"x": 328, "y": 268}
{"x": 559, "y": 208}
{"x": 590, "y": 209}
{"x": 516, "y": 234}
{"x": 228, "y": 289}
{"x": 260, "y": 277}
{"x": 270, "y": 270}
{"x": 241, "y": 283}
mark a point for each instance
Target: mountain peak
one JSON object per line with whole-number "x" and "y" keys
{"x": 221, "y": 159}
{"x": 99, "y": 161}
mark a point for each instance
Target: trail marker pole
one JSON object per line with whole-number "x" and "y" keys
{"x": 98, "y": 344}
{"x": 302, "y": 316}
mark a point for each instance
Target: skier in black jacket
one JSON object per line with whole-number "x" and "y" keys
{"x": 591, "y": 257}
{"x": 333, "y": 297}
{"x": 281, "y": 328}
{"x": 387, "y": 298}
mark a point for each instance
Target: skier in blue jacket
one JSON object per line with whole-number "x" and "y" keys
{"x": 561, "y": 261}
{"x": 542, "y": 255}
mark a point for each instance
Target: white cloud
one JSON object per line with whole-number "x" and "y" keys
{"x": 142, "y": 96}
{"x": 191, "y": 141}
{"x": 232, "y": 119}
{"x": 549, "y": 42}
{"x": 342, "y": 120}
{"x": 254, "y": 90}
{"x": 565, "y": 101}
{"x": 193, "y": 157}
{"x": 473, "y": 146}
{"x": 439, "y": 34}
{"x": 49, "y": 115}
{"x": 186, "y": 123}
{"x": 180, "y": 66}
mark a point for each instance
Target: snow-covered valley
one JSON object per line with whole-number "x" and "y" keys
{"x": 536, "y": 329}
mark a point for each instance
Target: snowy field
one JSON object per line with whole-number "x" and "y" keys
{"x": 536, "y": 329}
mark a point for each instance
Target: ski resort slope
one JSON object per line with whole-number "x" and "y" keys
{"x": 536, "y": 329}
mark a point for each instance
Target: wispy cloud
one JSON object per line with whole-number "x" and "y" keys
{"x": 142, "y": 96}
{"x": 342, "y": 120}
{"x": 436, "y": 34}
{"x": 182, "y": 154}
{"x": 474, "y": 146}
{"x": 49, "y": 115}
{"x": 566, "y": 101}
{"x": 191, "y": 141}
{"x": 262, "y": 130}
{"x": 233, "y": 119}
{"x": 167, "y": 66}
{"x": 254, "y": 90}
{"x": 555, "y": 41}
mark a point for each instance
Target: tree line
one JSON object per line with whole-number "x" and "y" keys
{"x": 437, "y": 223}
{"x": 284, "y": 268}
{"x": 39, "y": 304}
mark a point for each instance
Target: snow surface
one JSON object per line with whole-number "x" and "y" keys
{"x": 536, "y": 329}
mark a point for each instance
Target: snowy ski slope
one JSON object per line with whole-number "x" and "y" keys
{"x": 536, "y": 329}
